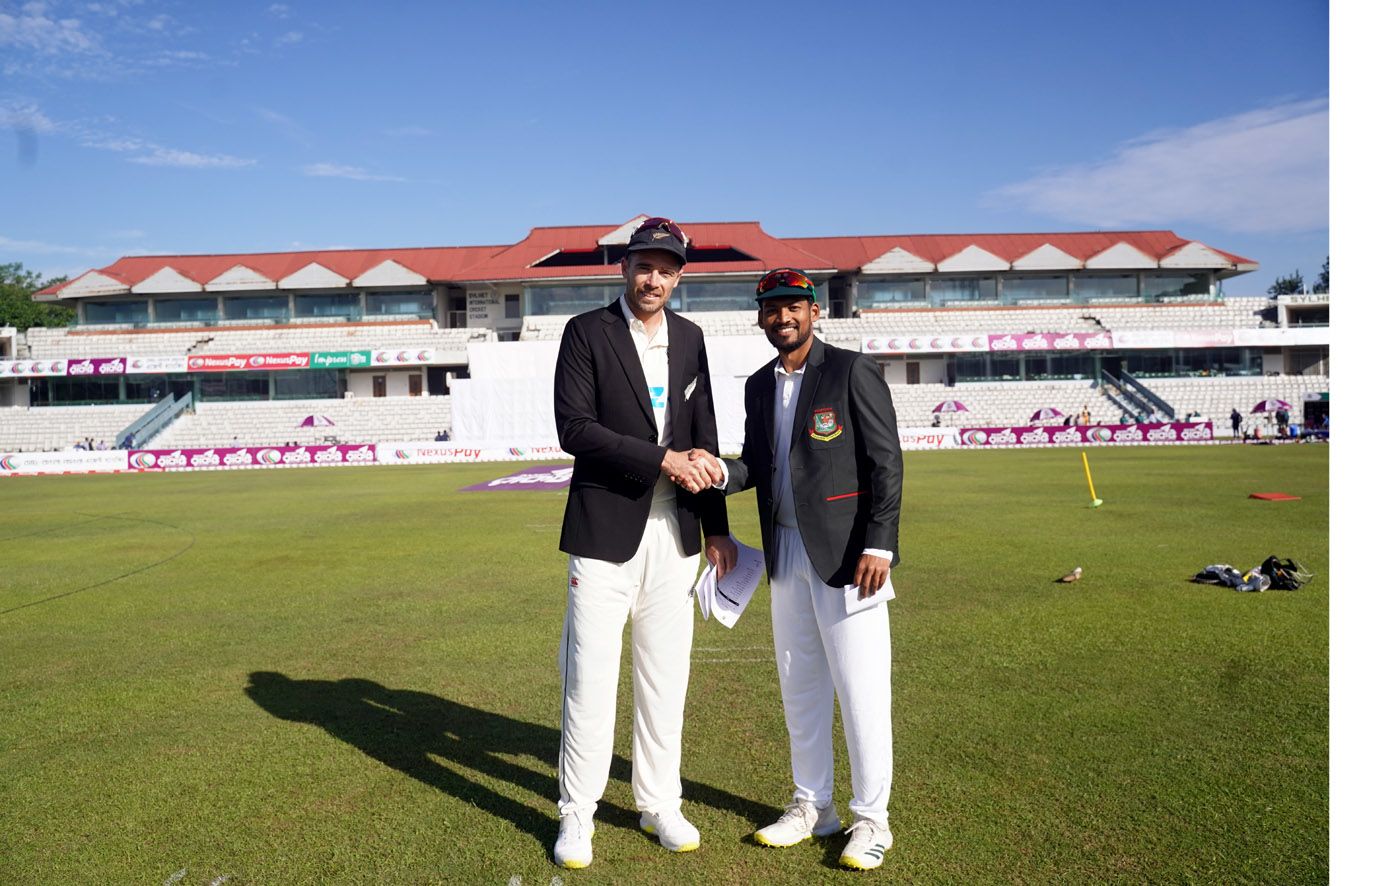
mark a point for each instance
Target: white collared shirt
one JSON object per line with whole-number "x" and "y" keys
{"x": 787, "y": 386}
{"x": 654, "y": 352}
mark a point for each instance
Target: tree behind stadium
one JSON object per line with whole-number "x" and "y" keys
{"x": 18, "y": 308}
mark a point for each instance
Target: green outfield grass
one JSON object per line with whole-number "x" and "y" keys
{"x": 348, "y": 675}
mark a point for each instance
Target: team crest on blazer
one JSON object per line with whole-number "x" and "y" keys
{"x": 824, "y": 425}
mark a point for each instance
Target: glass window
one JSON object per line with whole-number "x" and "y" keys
{"x": 1146, "y": 364}
{"x": 954, "y": 289}
{"x": 891, "y": 293}
{"x": 1004, "y": 366}
{"x": 1019, "y": 289}
{"x": 255, "y": 307}
{"x": 308, "y": 384}
{"x": 339, "y": 304}
{"x": 735, "y": 295}
{"x": 170, "y": 310}
{"x": 411, "y": 304}
{"x": 971, "y": 367}
{"x": 569, "y": 300}
{"x": 1167, "y": 286}
{"x": 83, "y": 389}
{"x": 1096, "y": 287}
{"x": 235, "y": 386}
{"x": 116, "y": 312}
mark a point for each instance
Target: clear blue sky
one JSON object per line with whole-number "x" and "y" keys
{"x": 140, "y": 126}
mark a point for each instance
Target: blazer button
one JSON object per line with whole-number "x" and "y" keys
{"x": 651, "y": 438}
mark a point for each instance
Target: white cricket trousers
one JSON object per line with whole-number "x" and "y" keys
{"x": 821, "y": 650}
{"x": 654, "y": 589}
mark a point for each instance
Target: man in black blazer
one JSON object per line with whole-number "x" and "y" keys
{"x": 822, "y": 447}
{"x": 631, "y": 398}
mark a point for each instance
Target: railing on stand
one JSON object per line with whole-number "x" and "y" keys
{"x": 1123, "y": 397}
{"x": 1158, "y": 404}
{"x": 155, "y": 420}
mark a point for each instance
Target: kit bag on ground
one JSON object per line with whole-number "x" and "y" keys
{"x": 1276, "y": 573}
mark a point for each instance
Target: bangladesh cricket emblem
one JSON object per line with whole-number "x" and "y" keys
{"x": 825, "y": 427}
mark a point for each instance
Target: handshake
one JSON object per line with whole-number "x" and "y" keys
{"x": 693, "y": 471}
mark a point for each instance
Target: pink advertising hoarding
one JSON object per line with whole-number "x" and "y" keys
{"x": 1049, "y": 341}
{"x": 1089, "y": 435}
{"x": 248, "y": 457}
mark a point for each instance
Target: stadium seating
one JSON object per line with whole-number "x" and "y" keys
{"x": 60, "y": 427}
{"x": 357, "y": 420}
{"x": 83, "y": 342}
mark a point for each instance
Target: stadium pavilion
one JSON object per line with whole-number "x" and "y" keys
{"x": 934, "y": 309}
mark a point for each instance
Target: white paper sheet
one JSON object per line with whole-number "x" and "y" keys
{"x": 854, "y": 604}
{"x": 727, "y": 598}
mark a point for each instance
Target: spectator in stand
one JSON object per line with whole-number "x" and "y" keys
{"x": 1141, "y": 417}
{"x": 1235, "y": 421}
{"x": 937, "y": 420}
{"x": 1125, "y": 419}
{"x": 129, "y": 442}
{"x": 1084, "y": 417}
{"x": 102, "y": 446}
{"x": 1281, "y": 416}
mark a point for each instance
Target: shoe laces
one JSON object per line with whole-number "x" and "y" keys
{"x": 800, "y": 810}
{"x": 670, "y": 818}
{"x": 572, "y": 826}
{"x": 866, "y": 828}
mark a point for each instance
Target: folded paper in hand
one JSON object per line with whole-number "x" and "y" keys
{"x": 854, "y": 604}
{"x": 727, "y": 597}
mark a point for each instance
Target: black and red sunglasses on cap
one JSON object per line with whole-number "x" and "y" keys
{"x": 785, "y": 281}
{"x": 666, "y": 225}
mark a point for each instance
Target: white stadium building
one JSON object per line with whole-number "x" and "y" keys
{"x": 347, "y": 348}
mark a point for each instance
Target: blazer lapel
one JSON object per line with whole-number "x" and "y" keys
{"x": 615, "y": 326}
{"x": 811, "y": 375}
{"x": 766, "y": 400}
{"x": 677, "y": 347}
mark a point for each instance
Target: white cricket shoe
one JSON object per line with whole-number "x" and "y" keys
{"x": 671, "y": 828}
{"x": 868, "y": 845}
{"x": 574, "y": 847}
{"x": 800, "y": 821}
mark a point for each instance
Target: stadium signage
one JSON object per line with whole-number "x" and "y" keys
{"x": 1051, "y": 341}
{"x": 403, "y": 357}
{"x": 66, "y": 461}
{"x": 29, "y": 368}
{"x": 247, "y": 457}
{"x": 928, "y": 438}
{"x": 925, "y": 344}
{"x": 146, "y": 365}
{"x": 538, "y": 477}
{"x": 1081, "y": 435}
{"x": 340, "y": 359}
{"x": 244, "y": 362}
{"x": 97, "y": 366}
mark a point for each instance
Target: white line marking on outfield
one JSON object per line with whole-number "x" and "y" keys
{"x": 219, "y": 880}
{"x": 728, "y": 660}
{"x": 729, "y": 648}
{"x": 176, "y": 877}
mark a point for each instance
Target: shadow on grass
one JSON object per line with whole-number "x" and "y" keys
{"x": 406, "y": 730}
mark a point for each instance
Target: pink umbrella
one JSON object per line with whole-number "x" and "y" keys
{"x": 317, "y": 421}
{"x": 950, "y": 406}
{"x": 1046, "y": 412}
{"x": 1271, "y": 405}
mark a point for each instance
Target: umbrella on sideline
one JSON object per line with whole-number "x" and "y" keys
{"x": 950, "y": 406}
{"x": 316, "y": 421}
{"x": 1046, "y": 412}
{"x": 1271, "y": 405}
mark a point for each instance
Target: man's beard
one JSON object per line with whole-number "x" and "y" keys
{"x": 789, "y": 347}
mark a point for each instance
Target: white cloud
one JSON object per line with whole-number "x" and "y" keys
{"x": 340, "y": 170}
{"x": 26, "y": 117}
{"x": 33, "y": 29}
{"x": 290, "y": 38}
{"x": 152, "y": 154}
{"x": 38, "y": 247}
{"x": 159, "y": 156}
{"x": 279, "y": 10}
{"x": 1263, "y": 171}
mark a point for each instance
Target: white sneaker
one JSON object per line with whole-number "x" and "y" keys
{"x": 671, "y": 828}
{"x": 868, "y": 845}
{"x": 800, "y": 821}
{"x": 574, "y": 848}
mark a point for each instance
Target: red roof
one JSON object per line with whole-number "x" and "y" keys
{"x": 520, "y": 261}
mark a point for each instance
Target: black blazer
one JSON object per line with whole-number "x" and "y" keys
{"x": 602, "y": 411}
{"x": 847, "y": 469}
